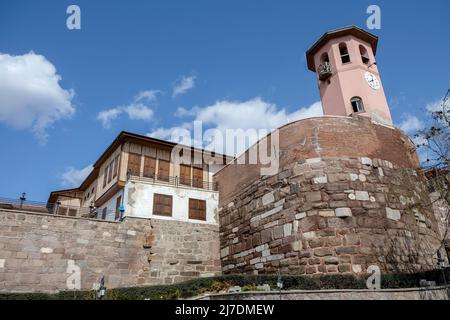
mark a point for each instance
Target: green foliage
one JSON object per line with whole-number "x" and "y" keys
{"x": 199, "y": 286}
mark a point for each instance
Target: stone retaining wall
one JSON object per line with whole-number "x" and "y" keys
{"x": 38, "y": 252}
{"x": 400, "y": 294}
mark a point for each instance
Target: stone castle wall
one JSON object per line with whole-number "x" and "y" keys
{"x": 327, "y": 216}
{"x": 36, "y": 251}
{"x": 347, "y": 195}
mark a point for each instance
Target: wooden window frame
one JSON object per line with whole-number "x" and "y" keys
{"x": 118, "y": 204}
{"x": 131, "y": 172}
{"x": 197, "y": 182}
{"x": 116, "y": 166}
{"x": 197, "y": 209}
{"x": 147, "y": 164}
{"x": 163, "y": 177}
{"x": 161, "y": 205}
{"x": 185, "y": 180}
{"x": 105, "y": 177}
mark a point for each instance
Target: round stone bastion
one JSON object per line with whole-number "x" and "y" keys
{"x": 348, "y": 195}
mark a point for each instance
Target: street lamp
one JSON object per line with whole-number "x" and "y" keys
{"x": 23, "y": 198}
{"x": 279, "y": 282}
{"x": 102, "y": 289}
{"x": 441, "y": 266}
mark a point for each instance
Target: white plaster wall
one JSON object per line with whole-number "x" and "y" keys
{"x": 138, "y": 200}
{"x": 111, "y": 207}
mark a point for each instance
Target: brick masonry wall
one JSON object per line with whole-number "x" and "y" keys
{"x": 324, "y": 137}
{"x": 330, "y": 216}
{"x": 36, "y": 250}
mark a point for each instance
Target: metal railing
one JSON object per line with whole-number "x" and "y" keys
{"x": 176, "y": 181}
{"x": 52, "y": 208}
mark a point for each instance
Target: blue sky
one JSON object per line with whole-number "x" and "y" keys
{"x": 221, "y": 55}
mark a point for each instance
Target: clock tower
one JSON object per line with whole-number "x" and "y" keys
{"x": 349, "y": 81}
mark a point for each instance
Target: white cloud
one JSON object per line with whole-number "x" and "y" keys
{"x": 252, "y": 114}
{"x": 150, "y": 95}
{"x": 107, "y": 116}
{"x": 183, "y": 85}
{"x": 73, "y": 177}
{"x": 434, "y": 106}
{"x": 30, "y": 94}
{"x": 411, "y": 124}
{"x": 137, "y": 110}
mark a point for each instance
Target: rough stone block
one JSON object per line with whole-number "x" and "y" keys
{"x": 287, "y": 229}
{"x": 393, "y": 214}
{"x": 343, "y": 212}
{"x": 268, "y": 199}
{"x": 320, "y": 180}
{"x": 362, "y": 196}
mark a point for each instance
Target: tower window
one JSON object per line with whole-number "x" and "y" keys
{"x": 345, "y": 56}
{"x": 357, "y": 104}
{"x": 324, "y": 58}
{"x": 364, "y": 55}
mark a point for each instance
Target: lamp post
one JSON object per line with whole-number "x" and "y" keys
{"x": 22, "y": 198}
{"x": 279, "y": 282}
{"x": 102, "y": 289}
{"x": 441, "y": 266}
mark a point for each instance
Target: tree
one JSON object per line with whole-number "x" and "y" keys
{"x": 434, "y": 143}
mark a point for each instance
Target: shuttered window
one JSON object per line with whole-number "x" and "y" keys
{"x": 104, "y": 212}
{"x": 162, "y": 205}
{"x": 198, "y": 178}
{"x": 105, "y": 177}
{"x": 197, "y": 209}
{"x": 110, "y": 171}
{"x": 149, "y": 167}
{"x": 134, "y": 164}
{"x": 62, "y": 211}
{"x": 185, "y": 174}
{"x": 163, "y": 170}
{"x": 116, "y": 167}
{"x": 118, "y": 203}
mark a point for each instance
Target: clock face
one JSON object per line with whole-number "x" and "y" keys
{"x": 372, "y": 81}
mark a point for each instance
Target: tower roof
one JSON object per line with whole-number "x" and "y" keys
{"x": 337, "y": 33}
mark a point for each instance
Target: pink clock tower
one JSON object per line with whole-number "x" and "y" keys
{"x": 349, "y": 81}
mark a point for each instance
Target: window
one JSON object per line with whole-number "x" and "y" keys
{"x": 325, "y": 58}
{"x": 134, "y": 164}
{"x": 72, "y": 213}
{"x": 185, "y": 174}
{"x": 62, "y": 211}
{"x": 149, "y": 167}
{"x": 198, "y": 177}
{"x": 163, "y": 170}
{"x": 364, "y": 55}
{"x": 105, "y": 177}
{"x": 110, "y": 171}
{"x": 118, "y": 203}
{"x": 116, "y": 167}
{"x": 345, "y": 56}
{"x": 197, "y": 209}
{"x": 162, "y": 205}
{"x": 357, "y": 104}
{"x": 105, "y": 210}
